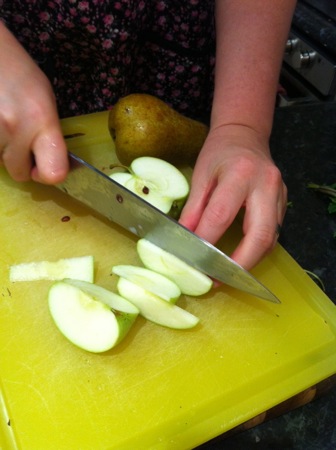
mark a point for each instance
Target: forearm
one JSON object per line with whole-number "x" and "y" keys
{"x": 251, "y": 36}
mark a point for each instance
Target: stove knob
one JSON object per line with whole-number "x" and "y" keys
{"x": 307, "y": 59}
{"x": 291, "y": 45}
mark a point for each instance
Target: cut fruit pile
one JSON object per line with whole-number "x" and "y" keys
{"x": 96, "y": 319}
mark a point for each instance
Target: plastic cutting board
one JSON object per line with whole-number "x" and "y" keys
{"x": 160, "y": 388}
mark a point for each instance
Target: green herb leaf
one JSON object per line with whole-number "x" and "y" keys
{"x": 332, "y": 206}
{"x": 329, "y": 190}
{"x": 316, "y": 278}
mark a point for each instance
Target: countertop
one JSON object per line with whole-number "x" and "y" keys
{"x": 303, "y": 146}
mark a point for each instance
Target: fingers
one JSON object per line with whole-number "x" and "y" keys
{"x": 213, "y": 211}
{"x": 218, "y": 194}
{"x": 200, "y": 193}
{"x": 263, "y": 218}
{"x": 31, "y": 141}
{"x": 51, "y": 158}
{"x": 43, "y": 158}
{"x": 15, "y": 155}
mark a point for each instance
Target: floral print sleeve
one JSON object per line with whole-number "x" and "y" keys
{"x": 95, "y": 51}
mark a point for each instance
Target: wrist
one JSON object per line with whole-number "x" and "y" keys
{"x": 238, "y": 136}
{"x": 242, "y": 112}
{"x": 239, "y": 129}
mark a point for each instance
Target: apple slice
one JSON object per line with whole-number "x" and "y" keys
{"x": 117, "y": 303}
{"x": 190, "y": 281}
{"x": 151, "y": 281}
{"x": 156, "y": 181}
{"x": 136, "y": 185}
{"x": 90, "y": 316}
{"x": 154, "y": 308}
{"x": 81, "y": 268}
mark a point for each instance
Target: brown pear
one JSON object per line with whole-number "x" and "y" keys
{"x": 143, "y": 125}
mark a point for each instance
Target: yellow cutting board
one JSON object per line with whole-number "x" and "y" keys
{"x": 160, "y": 388}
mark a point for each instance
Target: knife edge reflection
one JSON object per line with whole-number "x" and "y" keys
{"x": 96, "y": 190}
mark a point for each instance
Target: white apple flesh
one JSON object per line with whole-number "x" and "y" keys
{"x": 81, "y": 268}
{"x": 140, "y": 188}
{"x": 190, "y": 281}
{"x": 117, "y": 303}
{"x": 154, "y": 308}
{"x": 89, "y": 316}
{"x": 150, "y": 281}
{"x": 156, "y": 181}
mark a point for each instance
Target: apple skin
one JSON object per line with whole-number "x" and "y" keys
{"x": 154, "y": 308}
{"x": 90, "y": 316}
{"x": 190, "y": 281}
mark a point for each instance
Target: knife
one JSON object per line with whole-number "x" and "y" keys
{"x": 96, "y": 190}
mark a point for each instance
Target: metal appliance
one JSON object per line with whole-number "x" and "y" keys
{"x": 309, "y": 65}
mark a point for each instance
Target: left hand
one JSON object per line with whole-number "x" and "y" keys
{"x": 235, "y": 169}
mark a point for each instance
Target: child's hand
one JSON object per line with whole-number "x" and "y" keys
{"x": 31, "y": 140}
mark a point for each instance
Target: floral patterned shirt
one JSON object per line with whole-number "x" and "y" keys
{"x": 95, "y": 51}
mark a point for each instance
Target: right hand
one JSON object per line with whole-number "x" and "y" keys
{"x": 31, "y": 139}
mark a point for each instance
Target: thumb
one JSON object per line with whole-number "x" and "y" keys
{"x": 51, "y": 157}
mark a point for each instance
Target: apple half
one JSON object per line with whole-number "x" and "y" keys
{"x": 150, "y": 281}
{"x": 90, "y": 316}
{"x": 156, "y": 181}
{"x": 155, "y": 308}
{"x": 81, "y": 268}
{"x": 190, "y": 281}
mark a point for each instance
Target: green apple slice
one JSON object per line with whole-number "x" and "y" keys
{"x": 190, "y": 281}
{"x": 151, "y": 281}
{"x": 154, "y": 308}
{"x": 163, "y": 177}
{"x": 85, "y": 320}
{"x": 140, "y": 188}
{"x": 156, "y": 181}
{"x": 117, "y": 303}
{"x": 81, "y": 268}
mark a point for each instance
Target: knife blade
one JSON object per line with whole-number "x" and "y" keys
{"x": 96, "y": 190}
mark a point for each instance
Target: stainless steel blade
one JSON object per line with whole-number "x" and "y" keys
{"x": 96, "y": 190}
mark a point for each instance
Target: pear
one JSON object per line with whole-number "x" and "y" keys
{"x": 143, "y": 125}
